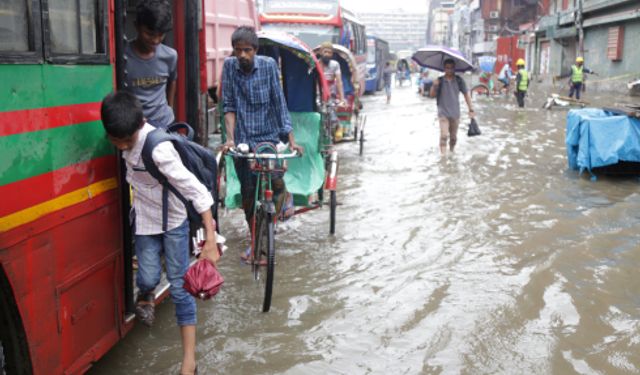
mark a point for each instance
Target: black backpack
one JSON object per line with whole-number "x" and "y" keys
{"x": 197, "y": 159}
{"x": 459, "y": 80}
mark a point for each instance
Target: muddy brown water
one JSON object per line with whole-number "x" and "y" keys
{"x": 494, "y": 260}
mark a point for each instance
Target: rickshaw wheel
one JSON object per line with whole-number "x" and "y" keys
{"x": 355, "y": 132}
{"x": 357, "y": 127}
{"x": 361, "y": 142}
{"x": 332, "y": 218}
{"x": 222, "y": 182}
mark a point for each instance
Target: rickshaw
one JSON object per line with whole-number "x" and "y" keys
{"x": 351, "y": 120}
{"x": 403, "y": 72}
{"x": 307, "y": 176}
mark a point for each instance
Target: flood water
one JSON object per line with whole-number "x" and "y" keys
{"x": 494, "y": 260}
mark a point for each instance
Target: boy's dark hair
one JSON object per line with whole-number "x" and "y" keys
{"x": 450, "y": 62}
{"x": 155, "y": 15}
{"x": 245, "y": 34}
{"x": 121, "y": 114}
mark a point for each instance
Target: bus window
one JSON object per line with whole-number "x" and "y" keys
{"x": 363, "y": 40}
{"x": 14, "y": 32}
{"x": 20, "y": 31}
{"x": 76, "y": 31}
{"x": 356, "y": 38}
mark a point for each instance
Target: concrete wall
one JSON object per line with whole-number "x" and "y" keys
{"x": 613, "y": 74}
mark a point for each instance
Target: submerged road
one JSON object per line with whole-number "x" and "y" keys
{"x": 494, "y": 260}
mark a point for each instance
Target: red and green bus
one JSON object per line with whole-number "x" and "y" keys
{"x": 66, "y": 274}
{"x": 317, "y": 21}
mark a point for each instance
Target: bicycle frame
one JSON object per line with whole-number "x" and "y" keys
{"x": 265, "y": 161}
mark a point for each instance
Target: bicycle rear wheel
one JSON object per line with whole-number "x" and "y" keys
{"x": 264, "y": 257}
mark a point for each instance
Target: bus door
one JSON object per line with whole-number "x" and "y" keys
{"x": 185, "y": 38}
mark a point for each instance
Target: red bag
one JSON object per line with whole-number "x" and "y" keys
{"x": 203, "y": 280}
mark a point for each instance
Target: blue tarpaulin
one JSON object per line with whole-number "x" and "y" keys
{"x": 597, "y": 138}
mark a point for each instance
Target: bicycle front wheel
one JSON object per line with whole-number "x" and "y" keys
{"x": 480, "y": 89}
{"x": 264, "y": 257}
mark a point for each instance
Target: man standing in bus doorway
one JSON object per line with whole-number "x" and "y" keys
{"x": 446, "y": 90}
{"x": 151, "y": 65}
{"x": 333, "y": 75}
{"x": 522, "y": 83}
{"x": 255, "y": 111}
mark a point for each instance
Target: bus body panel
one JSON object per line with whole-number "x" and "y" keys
{"x": 333, "y": 23}
{"x": 222, "y": 17}
{"x": 60, "y": 238}
{"x": 61, "y": 217}
{"x": 377, "y": 57}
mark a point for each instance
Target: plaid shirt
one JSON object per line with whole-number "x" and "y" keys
{"x": 257, "y": 100}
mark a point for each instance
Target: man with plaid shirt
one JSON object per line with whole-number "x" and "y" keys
{"x": 254, "y": 108}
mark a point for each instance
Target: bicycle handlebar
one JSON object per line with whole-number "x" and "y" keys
{"x": 251, "y": 155}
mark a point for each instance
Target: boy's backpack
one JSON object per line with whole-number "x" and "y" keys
{"x": 197, "y": 159}
{"x": 459, "y": 80}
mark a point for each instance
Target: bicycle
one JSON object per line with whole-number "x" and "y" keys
{"x": 265, "y": 161}
{"x": 483, "y": 88}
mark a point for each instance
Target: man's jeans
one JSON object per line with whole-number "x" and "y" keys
{"x": 577, "y": 88}
{"x": 174, "y": 244}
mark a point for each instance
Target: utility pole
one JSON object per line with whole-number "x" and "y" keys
{"x": 578, "y": 18}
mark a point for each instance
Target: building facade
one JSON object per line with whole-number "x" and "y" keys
{"x": 604, "y": 32}
{"x": 402, "y": 29}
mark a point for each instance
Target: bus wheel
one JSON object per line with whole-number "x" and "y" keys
{"x": 14, "y": 352}
{"x": 2, "y": 359}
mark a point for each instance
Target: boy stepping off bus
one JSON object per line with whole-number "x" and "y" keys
{"x": 127, "y": 130}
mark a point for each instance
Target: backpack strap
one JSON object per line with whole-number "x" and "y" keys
{"x": 460, "y": 82}
{"x": 182, "y": 128}
{"x": 154, "y": 138}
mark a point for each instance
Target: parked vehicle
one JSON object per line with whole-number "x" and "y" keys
{"x": 318, "y": 22}
{"x": 221, "y": 18}
{"x": 377, "y": 56}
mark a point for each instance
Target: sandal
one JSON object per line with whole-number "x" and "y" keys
{"x": 247, "y": 257}
{"x": 145, "y": 309}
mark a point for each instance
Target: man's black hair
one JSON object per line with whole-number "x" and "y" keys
{"x": 245, "y": 34}
{"x": 121, "y": 114}
{"x": 155, "y": 15}
{"x": 450, "y": 61}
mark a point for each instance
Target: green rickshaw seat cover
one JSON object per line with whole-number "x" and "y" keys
{"x": 305, "y": 174}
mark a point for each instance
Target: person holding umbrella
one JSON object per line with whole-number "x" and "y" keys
{"x": 446, "y": 90}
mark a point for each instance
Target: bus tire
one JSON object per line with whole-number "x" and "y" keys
{"x": 14, "y": 350}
